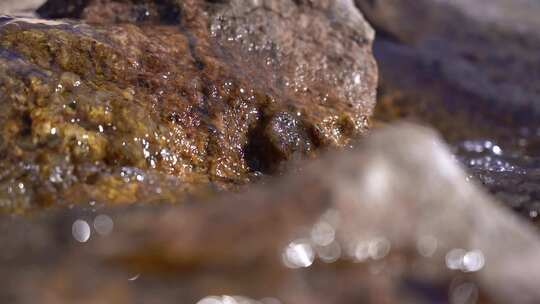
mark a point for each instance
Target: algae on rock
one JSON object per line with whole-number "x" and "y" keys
{"x": 148, "y": 111}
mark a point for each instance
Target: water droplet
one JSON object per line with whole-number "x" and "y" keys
{"x": 330, "y": 253}
{"x": 135, "y": 277}
{"x": 80, "y": 231}
{"x": 466, "y": 261}
{"x": 298, "y": 254}
{"x": 103, "y": 224}
{"x": 454, "y": 259}
{"x": 361, "y": 251}
{"x": 496, "y": 150}
{"x": 21, "y": 187}
{"x": 323, "y": 234}
{"x": 357, "y": 79}
{"x": 473, "y": 261}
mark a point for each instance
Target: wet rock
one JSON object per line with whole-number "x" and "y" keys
{"x": 381, "y": 224}
{"x": 131, "y": 109}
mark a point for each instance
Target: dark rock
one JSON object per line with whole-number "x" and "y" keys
{"x": 145, "y": 111}
{"x": 62, "y": 8}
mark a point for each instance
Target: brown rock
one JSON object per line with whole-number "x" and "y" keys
{"x": 120, "y": 113}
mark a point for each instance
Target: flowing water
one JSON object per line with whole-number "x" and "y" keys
{"x": 510, "y": 171}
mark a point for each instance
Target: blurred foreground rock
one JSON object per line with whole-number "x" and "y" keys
{"x": 381, "y": 224}
{"x": 192, "y": 95}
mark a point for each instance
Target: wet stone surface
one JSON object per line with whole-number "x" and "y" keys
{"x": 512, "y": 175}
{"x": 123, "y": 109}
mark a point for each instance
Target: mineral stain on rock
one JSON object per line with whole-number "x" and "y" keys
{"x": 123, "y": 108}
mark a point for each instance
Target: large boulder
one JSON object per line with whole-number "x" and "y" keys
{"x": 191, "y": 94}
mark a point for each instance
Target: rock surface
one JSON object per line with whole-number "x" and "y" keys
{"x": 185, "y": 96}
{"x": 382, "y": 224}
